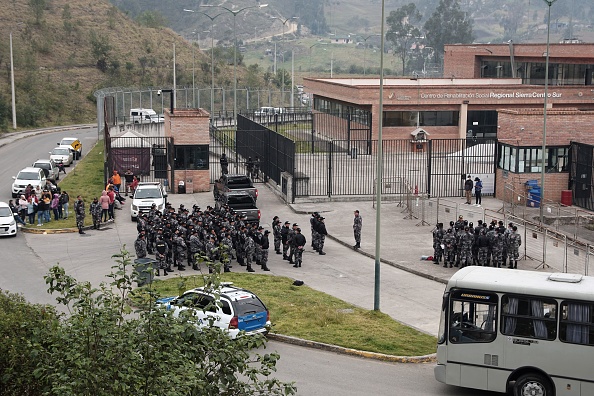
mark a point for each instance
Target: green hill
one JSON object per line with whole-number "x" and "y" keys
{"x": 65, "y": 50}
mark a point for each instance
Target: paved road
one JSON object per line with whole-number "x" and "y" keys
{"x": 342, "y": 273}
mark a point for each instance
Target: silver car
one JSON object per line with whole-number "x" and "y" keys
{"x": 62, "y": 154}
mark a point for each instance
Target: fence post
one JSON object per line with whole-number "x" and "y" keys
{"x": 331, "y": 145}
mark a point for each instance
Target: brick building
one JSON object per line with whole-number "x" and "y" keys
{"x": 490, "y": 91}
{"x": 189, "y": 129}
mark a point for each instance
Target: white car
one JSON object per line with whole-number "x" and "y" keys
{"x": 8, "y": 226}
{"x": 62, "y": 154}
{"x": 74, "y": 145}
{"x": 238, "y": 311}
{"x": 145, "y": 195}
{"x": 30, "y": 175}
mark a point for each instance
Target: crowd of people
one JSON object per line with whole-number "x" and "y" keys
{"x": 464, "y": 244}
{"x": 41, "y": 203}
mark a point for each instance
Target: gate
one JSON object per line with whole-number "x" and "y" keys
{"x": 451, "y": 160}
{"x": 149, "y": 158}
{"x": 581, "y": 159}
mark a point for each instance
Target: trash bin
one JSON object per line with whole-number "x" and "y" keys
{"x": 145, "y": 267}
{"x": 566, "y": 197}
{"x": 181, "y": 187}
{"x": 354, "y": 152}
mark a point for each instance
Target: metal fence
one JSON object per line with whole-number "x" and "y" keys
{"x": 542, "y": 247}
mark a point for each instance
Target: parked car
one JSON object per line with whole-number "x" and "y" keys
{"x": 145, "y": 195}
{"x": 8, "y": 225}
{"x": 29, "y": 175}
{"x": 234, "y": 183}
{"x": 239, "y": 311}
{"x": 73, "y": 145}
{"x": 50, "y": 169}
{"x": 62, "y": 154}
{"x": 241, "y": 203}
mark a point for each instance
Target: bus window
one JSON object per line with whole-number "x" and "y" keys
{"x": 577, "y": 324}
{"x": 472, "y": 317}
{"x": 530, "y": 317}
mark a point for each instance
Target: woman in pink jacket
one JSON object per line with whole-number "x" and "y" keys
{"x": 104, "y": 201}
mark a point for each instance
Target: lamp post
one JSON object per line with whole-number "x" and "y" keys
{"x": 380, "y": 171}
{"x": 284, "y": 21}
{"x": 310, "y": 51}
{"x": 544, "y": 128}
{"x": 234, "y": 12}
{"x": 212, "y": 18}
{"x": 365, "y": 50}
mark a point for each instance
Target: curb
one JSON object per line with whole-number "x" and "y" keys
{"x": 352, "y": 352}
{"x": 43, "y": 231}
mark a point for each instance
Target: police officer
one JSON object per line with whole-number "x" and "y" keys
{"x": 276, "y": 230}
{"x": 249, "y": 248}
{"x": 285, "y": 239}
{"x": 95, "y": 212}
{"x": 161, "y": 254}
{"x": 449, "y": 242}
{"x": 140, "y": 246}
{"x": 438, "y": 234}
{"x": 357, "y": 226}
{"x": 514, "y": 243}
{"x": 299, "y": 242}
{"x": 79, "y": 210}
{"x": 265, "y": 246}
{"x": 321, "y": 232}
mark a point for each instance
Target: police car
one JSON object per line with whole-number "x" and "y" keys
{"x": 239, "y": 311}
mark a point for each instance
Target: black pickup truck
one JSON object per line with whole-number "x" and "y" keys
{"x": 241, "y": 203}
{"x": 234, "y": 183}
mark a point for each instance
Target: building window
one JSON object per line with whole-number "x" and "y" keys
{"x": 530, "y": 317}
{"x": 420, "y": 118}
{"x": 343, "y": 111}
{"x": 529, "y": 159}
{"x": 534, "y": 72}
{"x": 191, "y": 157}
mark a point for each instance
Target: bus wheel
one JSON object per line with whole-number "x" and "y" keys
{"x": 533, "y": 385}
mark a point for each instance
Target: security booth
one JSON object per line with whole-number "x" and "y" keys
{"x": 189, "y": 129}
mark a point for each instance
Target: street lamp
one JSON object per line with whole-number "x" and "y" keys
{"x": 544, "y": 128}
{"x": 284, "y": 21}
{"x": 310, "y": 51}
{"x": 365, "y": 50}
{"x": 212, "y": 18}
{"x": 234, "y": 12}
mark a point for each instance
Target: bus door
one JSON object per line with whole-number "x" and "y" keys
{"x": 472, "y": 332}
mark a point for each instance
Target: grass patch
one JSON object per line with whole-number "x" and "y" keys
{"x": 303, "y": 312}
{"x": 85, "y": 179}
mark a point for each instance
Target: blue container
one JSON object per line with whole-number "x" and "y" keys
{"x": 532, "y": 183}
{"x": 533, "y": 200}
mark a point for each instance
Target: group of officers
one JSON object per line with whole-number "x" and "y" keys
{"x": 180, "y": 238}
{"x": 186, "y": 238}
{"x": 463, "y": 244}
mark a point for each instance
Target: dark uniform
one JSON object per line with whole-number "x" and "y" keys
{"x": 95, "y": 212}
{"x": 276, "y": 229}
{"x": 79, "y": 210}
{"x": 265, "y": 246}
{"x": 140, "y": 246}
{"x": 357, "y": 226}
{"x": 161, "y": 250}
{"x": 321, "y": 232}
{"x": 299, "y": 241}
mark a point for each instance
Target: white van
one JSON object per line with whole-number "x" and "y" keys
{"x": 145, "y": 116}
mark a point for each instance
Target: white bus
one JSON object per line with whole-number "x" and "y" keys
{"x": 524, "y": 332}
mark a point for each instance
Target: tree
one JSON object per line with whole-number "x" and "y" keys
{"x": 99, "y": 348}
{"x": 401, "y": 31}
{"x": 152, "y": 19}
{"x": 100, "y": 49}
{"x": 447, "y": 25}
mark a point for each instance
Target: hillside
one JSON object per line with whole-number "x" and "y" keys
{"x": 65, "y": 50}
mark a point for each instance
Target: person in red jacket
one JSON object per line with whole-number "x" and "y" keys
{"x": 111, "y": 195}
